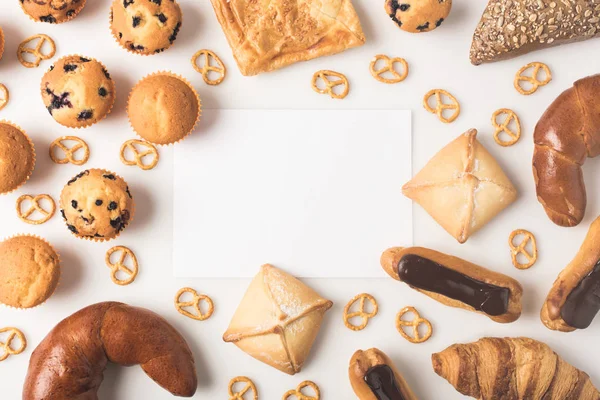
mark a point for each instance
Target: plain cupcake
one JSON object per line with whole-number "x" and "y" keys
{"x": 52, "y": 11}
{"x": 17, "y": 157}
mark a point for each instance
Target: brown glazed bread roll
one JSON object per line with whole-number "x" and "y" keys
{"x": 574, "y": 299}
{"x": 455, "y": 282}
{"x": 373, "y": 376}
{"x": 567, "y": 133}
{"x": 69, "y": 363}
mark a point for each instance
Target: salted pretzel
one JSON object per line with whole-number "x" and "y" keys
{"x": 250, "y": 386}
{"x": 194, "y": 303}
{"x": 6, "y": 349}
{"x": 35, "y": 205}
{"x": 326, "y": 76}
{"x": 4, "y": 96}
{"x": 515, "y": 250}
{"x": 35, "y": 51}
{"x": 139, "y": 155}
{"x": 414, "y": 324}
{"x": 301, "y": 396}
{"x": 61, "y": 143}
{"x": 504, "y": 127}
{"x": 440, "y": 106}
{"x": 207, "y": 68}
{"x": 388, "y": 68}
{"x": 533, "y": 79}
{"x": 362, "y": 313}
{"x": 131, "y": 273}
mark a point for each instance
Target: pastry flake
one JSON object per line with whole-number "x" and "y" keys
{"x": 267, "y": 35}
{"x": 278, "y": 320}
{"x": 462, "y": 187}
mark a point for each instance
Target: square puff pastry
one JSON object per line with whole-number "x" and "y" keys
{"x": 278, "y": 320}
{"x": 269, "y": 34}
{"x": 462, "y": 187}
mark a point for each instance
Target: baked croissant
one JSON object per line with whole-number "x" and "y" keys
{"x": 512, "y": 369}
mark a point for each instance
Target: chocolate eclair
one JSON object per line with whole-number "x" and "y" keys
{"x": 455, "y": 282}
{"x": 574, "y": 299}
{"x": 373, "y": 376}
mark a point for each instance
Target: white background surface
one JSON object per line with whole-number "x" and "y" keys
{"x": 437, "y": 59}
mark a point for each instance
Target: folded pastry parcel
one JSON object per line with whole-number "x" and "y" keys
{"x": 267, "y": 35}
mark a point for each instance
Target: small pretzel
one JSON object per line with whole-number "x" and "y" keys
{"x": 5, "y": 347}
{"x": 35, "y": 205}
{"x": 4, "y": 96}
{"x": 301, "y": 396}
{"x": 533, "y": 79}
{"x": 414, "y": 324}
{"x": 195, "y": 303}
{"x": 138, "y": 156}
{"x": 69, "y": 157}
{"x": 330, "y": 84}
{"x": 364, "y": 315}
{"x": 120, "y": 265}
{"x": 250, "y": 386}
{"x": 515, "y": 250}
{"x": 36, "y": 51}
{"x": 504, "y": 127}
{"x": 388, "y": 67}
{"x": 207, "y": 67}
{"x": 440, "y": 106}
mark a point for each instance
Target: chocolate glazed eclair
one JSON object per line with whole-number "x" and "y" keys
{"x": 373, "y": 376}
{"x": 455, "y": 282}
{"x": 574, "y": 299}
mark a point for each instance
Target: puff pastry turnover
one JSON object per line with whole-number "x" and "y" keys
{"x": 462, "y": 187}
{"x": 278, "y": 320}
{"x": 269, "y": 34}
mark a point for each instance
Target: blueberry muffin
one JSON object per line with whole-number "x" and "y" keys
{"x": 96, "y": 204}
{"x": 145, "y": 26}
{"x": 418, "y": 15}
{"x": 163, "y": 108}
{"x": 78, "y": 91}
{"x": 17, "y": 157}
{"x": 29, "y": 271}
{"x": 52, "y": 11}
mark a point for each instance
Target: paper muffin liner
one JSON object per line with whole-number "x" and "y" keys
{"x": 59, "y": 270}
{"x": 1, "y": 43}
{"x": 181, "y": 78}
{"x": 87, "y": 125}
{"x": 93, "y": 238}
{"x": 76, "y": 13}
{"x": 3, "y": 121}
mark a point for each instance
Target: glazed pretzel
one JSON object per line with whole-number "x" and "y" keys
{"x": 301, "y": 396}
{"x": 5, "y": 347}
{"x": 388, "y": 67}
{"x": 414, "y": 324}
{"x": 120, "y": 265}
{"x": 36, "y": 205}
{"x": 364, "y": 315}
{"x": 440, "y": 106}
{"x": 250, "y": 386}
{"x": 195, "y": 303}
{"x": 207, "y": 68}
{"x": 504, "y": 127}
{"x": 138, "y": 156}
{"x": 4, "y": 96}
{"x": 515, "y": 250}
{"x": 533, "y": 79}
{"x": 36, "y": 51}
{"x": 330, "y": 84}
{"x": 69, "y": 157}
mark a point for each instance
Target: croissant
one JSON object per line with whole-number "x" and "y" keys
{"x": 512, "y": 369}
{"x": 567, "y": 133}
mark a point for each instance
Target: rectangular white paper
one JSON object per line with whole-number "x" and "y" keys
{"x": 317, "y": 193}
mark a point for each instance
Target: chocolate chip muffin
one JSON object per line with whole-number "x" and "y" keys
{"x": 96, "y": 204}
{"x": 145, "y": 26}
{"x": 17, "y": 157}
{"x": 163, "y": 108}
{"x": 78, "y": 91}
{"x": 418, "y": 15}
{"x": 52, "y": 11}
{"x": 29, "y": 271}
